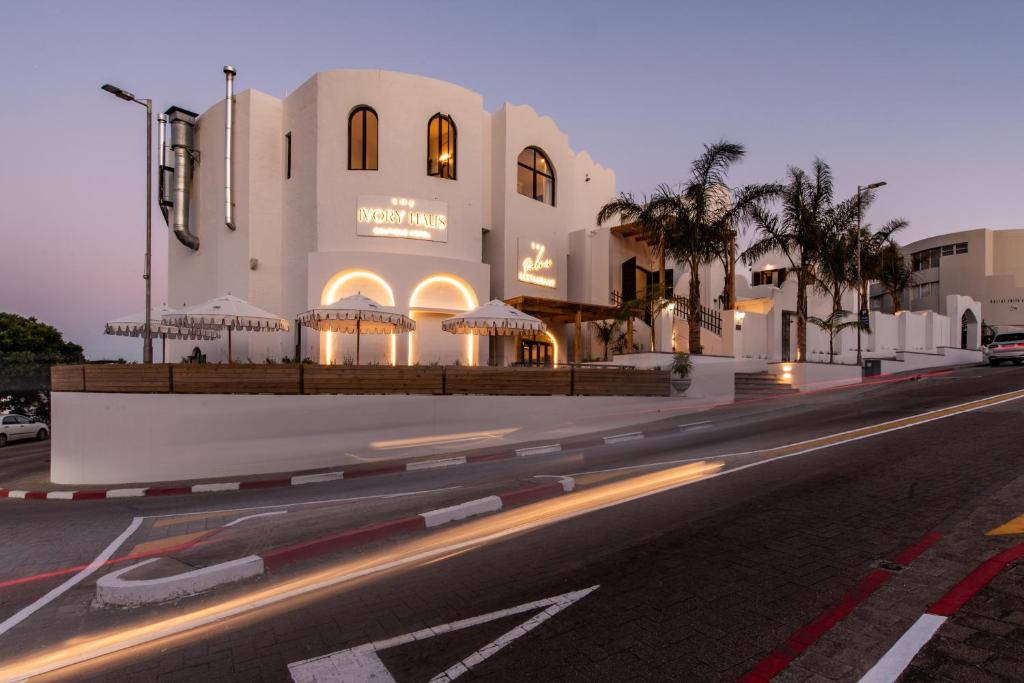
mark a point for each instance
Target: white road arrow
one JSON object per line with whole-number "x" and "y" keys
{"x": 362, "y": 663}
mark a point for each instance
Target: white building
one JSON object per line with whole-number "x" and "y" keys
{"x": 397, "y": 186}
{"x": 987, "y": 265}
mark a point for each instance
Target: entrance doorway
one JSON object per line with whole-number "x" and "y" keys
{"x": 788, "y": 350}
{"x": 533, "y": 352}
{"x": 968, "y": 330}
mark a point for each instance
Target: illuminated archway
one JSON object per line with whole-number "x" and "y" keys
{"x": 332, "y": 292}
{"x": 554, "y": 345}
{"x": 469, "y": 301}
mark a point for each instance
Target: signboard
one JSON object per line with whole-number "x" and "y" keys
{"x": 536, "y": 267}
{"x": 415, "y": 219}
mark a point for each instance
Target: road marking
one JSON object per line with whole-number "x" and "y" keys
{"x": 105, "y": 555}
{"x": 892, "y": 664}
{"x": 185, "y": 519}
{"x": 515, "y": 522}
{"x": 259, "y": 514}
{"x": 434, "y": 464}
{"x": 362, "y": 663}
{"x": 695, "y": 425}
{"x": 1014, "y": 526}
{"x": 168, "y": 542}
{"x": 539, "y": 450}
{"x": 620, "y": 438}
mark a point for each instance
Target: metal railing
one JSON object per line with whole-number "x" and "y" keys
{"x": 710, "y": 318}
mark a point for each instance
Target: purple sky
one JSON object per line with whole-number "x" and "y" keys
{"x": 927, "y": 95}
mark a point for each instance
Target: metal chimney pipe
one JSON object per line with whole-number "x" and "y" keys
{"x": 182, "y": 124}
{"x": 161, "y": 145}
{"x": 229, "y": 115}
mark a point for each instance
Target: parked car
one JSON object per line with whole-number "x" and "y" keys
{"x": 1005, "y": 346}
{"x": 14, "y": 427}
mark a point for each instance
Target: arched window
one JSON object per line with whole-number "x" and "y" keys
{"x": 362, "y": 139}
{"x": 441, "y": 147}
{"x": 535, "y": 177}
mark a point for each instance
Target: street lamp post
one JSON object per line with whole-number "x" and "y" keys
{"x": 147, "y": 344}
{"x": 860, "y": 284}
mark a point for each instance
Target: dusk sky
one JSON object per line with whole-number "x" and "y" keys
{"x": 926, "y": 95}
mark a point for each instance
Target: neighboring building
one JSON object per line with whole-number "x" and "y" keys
{"x": 400, "y": 187}
{"x": 986, "y": 265}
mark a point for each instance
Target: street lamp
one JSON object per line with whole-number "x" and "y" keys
{"x": 147, "y": 346}
{"x": 860, "y": 287}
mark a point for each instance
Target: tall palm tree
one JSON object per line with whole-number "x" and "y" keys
{"x": 700, "y": 218}
{"x": 836, "y": 269}
{"x": 797, "y": 232}
{"x": 873, "y": 246}
{"x": 648, "y": 220}
{"x": 894, "y": 273}
{"x": 606, "y": 331}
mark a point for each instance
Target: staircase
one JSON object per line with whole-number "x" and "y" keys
{"x": 752, "y": 385}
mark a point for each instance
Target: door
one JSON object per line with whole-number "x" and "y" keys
{"x": 532, "y": 352}
{"x": 788, "y": 317}
{"x": 9, "y": 426}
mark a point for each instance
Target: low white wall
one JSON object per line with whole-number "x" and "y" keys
{"x": 712, "y": 381}
{"x": 814, "y": 376}
{"x": 884, "y": 337}
{"x": 912, "y": 331}
{"x": 120, "y": 438}
{"x": 943, "y": 356}
{"x": 751, "y": 340}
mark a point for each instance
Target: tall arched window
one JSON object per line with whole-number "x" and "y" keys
{"x": 441, "y": 146}
{"x": 362, "y": 139}
{"x": 535, "y": 177}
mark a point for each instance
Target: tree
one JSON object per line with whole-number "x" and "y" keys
{"x": 649, "y": 221}
{"x": 894, "y": 273}
{"x": 607, "y": 332}
{"x": 833, "y": 324}
{"x": 796, "y": 231}
{"x": 700, "y": 219}
{"x": 27, "y": 350}
{"x": 873, "y": 245}
{"x": 835, "y": 271}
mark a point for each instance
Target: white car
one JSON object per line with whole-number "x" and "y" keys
{"x": 14, "y": 427}
{"x": 1005, "y": 346}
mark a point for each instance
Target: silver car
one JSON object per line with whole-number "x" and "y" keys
{"x": 15, "y": 427}
{"x": 1005, "y": 346}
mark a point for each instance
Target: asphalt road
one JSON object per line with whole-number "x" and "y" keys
{"x": 694, "y": 583}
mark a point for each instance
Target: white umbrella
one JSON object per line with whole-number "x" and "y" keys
{"x": 356, "y": 314}
{"x": 228, "y": 313}
{"x": 493, "y": 318}
{"x": 135, "y": 326}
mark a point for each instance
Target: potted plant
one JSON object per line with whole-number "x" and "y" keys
{"x": 682, "y": 367}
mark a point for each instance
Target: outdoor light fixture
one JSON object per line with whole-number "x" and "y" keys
{"x": 860, "y": 299}
{"x": 147, "y": 344}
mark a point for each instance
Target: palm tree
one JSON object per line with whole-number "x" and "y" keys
{"x": 836, "y": 269}
{"x": 894, "y": 273}
{"x": 796, "y": 231}
{"x": 833, "y": 324}
{"x": 648, "y": 220}
{"x": 606, "y": 331}
{"x": 699, "y": 220}
{"x": 872, "y": 249}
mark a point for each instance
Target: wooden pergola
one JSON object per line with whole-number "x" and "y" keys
{"x": 556, "y": 312}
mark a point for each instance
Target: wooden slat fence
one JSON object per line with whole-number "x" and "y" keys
{"x": 367, "y": 379}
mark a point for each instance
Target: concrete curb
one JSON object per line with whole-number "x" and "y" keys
{"x": 114, "y": 590}
{"x": 111, "y": 589}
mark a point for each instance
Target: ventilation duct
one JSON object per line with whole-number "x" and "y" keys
{"x": 165, "y": 171}
{"x": 229, "y": 116}
{"x": 182, "y": 124}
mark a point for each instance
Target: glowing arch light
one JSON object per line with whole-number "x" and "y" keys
{"x": 468, "y": 296}
{"x": 330, "y": 295}
{"x": 554, "y": 344}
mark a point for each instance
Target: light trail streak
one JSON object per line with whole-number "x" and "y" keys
{"x": 405, "y": 555}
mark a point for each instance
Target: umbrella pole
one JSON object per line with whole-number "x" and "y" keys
{"x": 163, "y": 347}
{"x": 229, "y": 346}
{"x": 358, "y": 325}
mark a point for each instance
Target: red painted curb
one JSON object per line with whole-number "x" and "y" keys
{"x": 531, "y": 493}
{"x": 279, "y": 557}
{"x": 264, "y": 483}
{"x": 168, "y": 491}
{"x": 779, "y": 659}
{"x": 490, "y": 457}
{"x": 88, "y": 495}
{"x": 369, "y": 472}
{"x": 958, "y": 596}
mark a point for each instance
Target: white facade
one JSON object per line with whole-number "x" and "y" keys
{"x": 301, "y": 238}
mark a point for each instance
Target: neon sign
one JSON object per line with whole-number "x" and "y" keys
{"x": 418, "y": 219}
{"x": 537, "y": 268}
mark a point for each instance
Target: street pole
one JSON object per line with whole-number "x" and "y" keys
{"x": 147, "y": 348}
{"x": 860, "y": 304}
{"x": 147, "y": 335}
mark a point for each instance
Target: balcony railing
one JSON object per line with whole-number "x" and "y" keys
{"x": 710, "y": 318}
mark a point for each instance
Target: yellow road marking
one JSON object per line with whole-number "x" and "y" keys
{"x": 198, "y": 517}
{"x": 1014, "y": 526}
{"x": 163, "y": 543}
